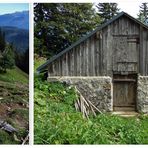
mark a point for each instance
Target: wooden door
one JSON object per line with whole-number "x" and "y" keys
{"x": 125, "y": 54}
{"x": 124, "y": 92}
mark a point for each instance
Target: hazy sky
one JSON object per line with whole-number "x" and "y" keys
{"x": 13, "y": 7}
{"x": 131, "y": 8}
{"x": 128, "y": 6}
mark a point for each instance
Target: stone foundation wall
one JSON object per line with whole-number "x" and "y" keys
{"x": 142, "y": 94}
{"x": 98, "y": 90}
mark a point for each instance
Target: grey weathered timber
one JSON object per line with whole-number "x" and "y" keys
{"x": 118, "y": 46}
{"x": 118, "y": 49}
{"x": 124, "y": 91}
{"x": 122, "y": 24}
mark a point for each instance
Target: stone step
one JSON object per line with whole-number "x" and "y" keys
{"x": 125, "y": 113}
{"x": 131, "y": 108}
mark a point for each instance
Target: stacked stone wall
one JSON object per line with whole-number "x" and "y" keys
{"x": 98, "y": 90}
{"x": 142, "y": 94}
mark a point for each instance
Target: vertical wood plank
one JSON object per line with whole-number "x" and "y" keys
{"x": 72, "y": 61}
{"x": 66, "y": 64}
{"x": 84, "y": 59}
{"x": 87, "y": 57}
{"x": 93, "y": 56}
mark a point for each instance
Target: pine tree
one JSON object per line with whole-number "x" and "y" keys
{"x": 8, "y": 58}
{"x": 143, "y": 13}
{"x": 26, "y": 64}
{"x": 107, "y": 10}
{"x": 58, "y": 25}
{"x": 2, "y": 41}
{"x": 7, "y": 61}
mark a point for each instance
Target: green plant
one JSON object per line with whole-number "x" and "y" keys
{"x": 57, "y": 121}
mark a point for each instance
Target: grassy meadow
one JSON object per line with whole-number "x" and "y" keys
{"x": 14, "y": 105}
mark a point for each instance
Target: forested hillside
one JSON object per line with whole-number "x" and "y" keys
{"x": 15, "y": 29}
{"x": 13, "y": 35}
{"x": 14, "y": 85}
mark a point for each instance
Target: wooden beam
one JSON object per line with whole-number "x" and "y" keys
{"x": 124, "y": 80}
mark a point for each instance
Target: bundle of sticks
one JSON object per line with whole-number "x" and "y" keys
{"x": 84, "y": 105}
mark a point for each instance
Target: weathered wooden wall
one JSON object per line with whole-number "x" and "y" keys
{"x": 121, "y": 47}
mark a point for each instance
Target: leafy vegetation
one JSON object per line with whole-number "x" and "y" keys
{"x": 5, "y": 138}
{"x": 38, "y": 61}
{"x": 57, "y": 121}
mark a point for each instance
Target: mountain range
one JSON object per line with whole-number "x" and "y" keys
{"x": 17, "y": 19}
{"x": 16, "y": 29}
{"x": 18, "y": 37}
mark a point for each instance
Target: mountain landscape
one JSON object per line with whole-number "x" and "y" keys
{"x": 14, "y": 78}
{"x": 17, "y": 36}
{"x": 16, "y": 29}
{"x": 17, "y": 19}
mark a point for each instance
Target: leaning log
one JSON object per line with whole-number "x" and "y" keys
{"x": 84, "y": 105}
{"x": 7, "y": 127}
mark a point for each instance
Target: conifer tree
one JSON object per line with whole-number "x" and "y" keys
{"x": 107, "y": 10}
{"x": 143, "y": 13}
{"x": 7, "y": 59}
{"x": 58, "y": 25}
{"x": 2, "y": 41}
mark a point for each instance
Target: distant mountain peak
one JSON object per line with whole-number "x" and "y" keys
{"x": 16, "y": 12}
{"x": 19, "y": 19}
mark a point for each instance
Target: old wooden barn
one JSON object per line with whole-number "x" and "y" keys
{"x": 117, "y": 50}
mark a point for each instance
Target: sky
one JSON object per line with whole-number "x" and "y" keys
{"x": 131, "y": 8}
{"x": 13, "y": 7}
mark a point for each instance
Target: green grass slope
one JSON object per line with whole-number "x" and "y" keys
{"x": 14, "y": 105}
{"x": 14, "y": 75}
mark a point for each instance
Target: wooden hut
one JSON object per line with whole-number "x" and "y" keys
{"x": 118, "y": 48}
